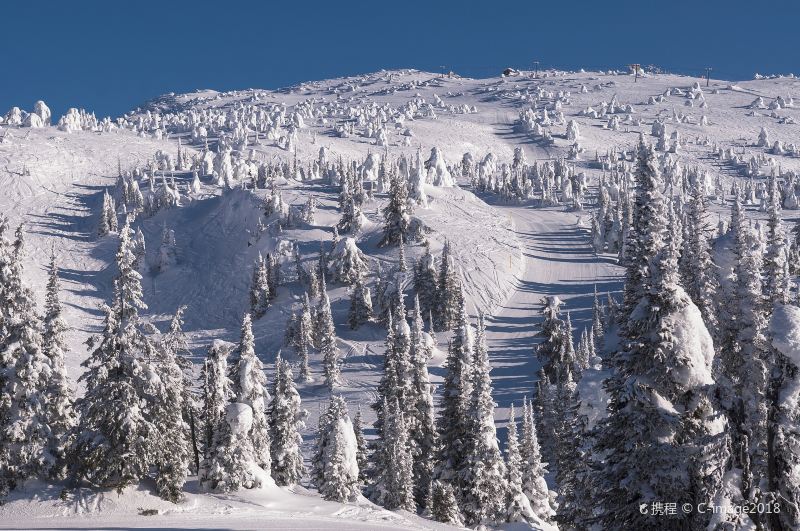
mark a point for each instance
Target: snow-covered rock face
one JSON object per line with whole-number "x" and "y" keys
{"x": 784, "y": 327}
{"x": 693, "y": 347}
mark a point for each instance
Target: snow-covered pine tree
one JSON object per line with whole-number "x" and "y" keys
{"x": 518, "y": 507}
{"x": 452, "y": 422}
{"x": 335, "y": 463}
{"x": 425, "y": 281}
{"x": 776, "y": 261}
{"x": 325, "y": 333}
{"x": 361, "y": 446}
{"x": 449, "y": 296}
{"x": 60, "y": 395}
{"x": 551, "y": 350}
{"x": 175, "y": 340}
{"x": 442, "y": 505}
{"x": 347, "y": 263}
{"x": 393, "y": 485}
{"x": 679, "y": 453}
{"x": 25, "y": 433}
{"x": 217, "y": 393}
{"x": 108, "y": 216}
{"x": 598, "y": 328}
{"x": 484, "y": 472}
{"x": 396, "y": 213}
{"x": 360, "y": 305}
{"x": 233, "y": 459}
{"x": 573, "y": 511}
{"x": 286, "y": 421}
{"x": 532, "y": 469}
{"x": 171, "y": 433}
{"x": 699, "y": 276}
{"x": 167, "y": 250}
{"x": 302, "y": 351}
{"x": 642, "y": 244}
{"x": 114, "y": 446}
{"x": 422, "y": 425}
{"x": 259, "y": 289}
{"x": 249, "y": 385}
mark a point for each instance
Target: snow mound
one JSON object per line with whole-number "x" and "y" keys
{"x": 694, "y": 348}
{"x": 784, "y": 327}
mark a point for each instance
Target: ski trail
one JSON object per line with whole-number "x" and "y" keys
{"x": 558, "y": 261}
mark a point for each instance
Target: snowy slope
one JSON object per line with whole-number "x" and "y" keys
{"x": 510, "y": 254}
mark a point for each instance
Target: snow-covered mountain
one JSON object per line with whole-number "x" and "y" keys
{"x": 509, "y": 174}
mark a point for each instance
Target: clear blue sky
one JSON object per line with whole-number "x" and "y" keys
{"x": 110, "y": 56}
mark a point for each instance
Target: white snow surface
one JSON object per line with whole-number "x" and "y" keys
{"x": 510, "y": 254}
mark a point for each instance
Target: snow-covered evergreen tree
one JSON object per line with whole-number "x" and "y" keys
{"x": 60, "y": 395}
{"x": 361, "y": 446}
{"x": 393, "y": 485}
{"x": 425, "y": 281}
{"x": 347, "y": 263}
{"x": 449, "y": 296}
{"x": 25, "y": 434}
{"x": 442, "y": 505}
{"x": 396, "y": 214}
{"x": 335, "y": 460}
{"x": 108, "y": 216}
{"x": 679, "y": 453}
{"x": 260, "y": 293}
{"x": 286, "y": 421}
{"x": 217, "y": 393}
{"x": 532, "y": 469}
{"x": 484, "y": 472}
{"x": 326, "y": 341}
{"x": 452, "y": 424}
{"x": 115, "y": 439}
{"x": 360, "y": 305}
{"x": 249, "y": 385}
{"x": 167, "y": 250}
{"x": 518, "y": 507}
{"x": 422, "y": 424}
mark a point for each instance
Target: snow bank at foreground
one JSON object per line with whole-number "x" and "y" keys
{"x": 39, "y": 506}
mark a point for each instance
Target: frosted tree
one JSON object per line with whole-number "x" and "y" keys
{"x": 484, "y": 473}
{"x": 449, "y": 296}
{"x": 360, "y": 305}
{"x": 518, "y": 507}
{"x": 352, "y": 218}
{"x": 25, "y": 369}
{"x": 172, "y": 447}
{"x": 60, "y": 396}
{"x": 425, "y": 281}
{"x": 422, "y": 423}
{"x": 286, "y": 421}
{"x": 335, "y": 459}
{"x": 680, "y": 453}
{"x": 232, "y": 461}
{"x": 642, "y": 243}
{"x": 108, "y": 216}
{"x": 361, "y": 446}
{"x": 167, "y": 250}
{"x": 115, "y": 434}
{"x": 396, "y": 214}
{"x": 776, "y": 263}
{"x": 532, "y": 469}
{"x": 393, "y": 485}
{"x": 598, "y": 326}
{"x": 249, "y": 385}
{"x": 347, "y": 263}
{"x": 452, "y": 424}
{"x": 699, "y": 274}
{"x": 570, "y": 457}
{"x": 175, "y": 341}
{"x": 302, "y": 351}
{"x": 260, "y": 292}
{"x": 442, "y": 504}
{"x": 217, "y": 393}
{"x": 325, "y": 333}
{"x": 552, "y": 350}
